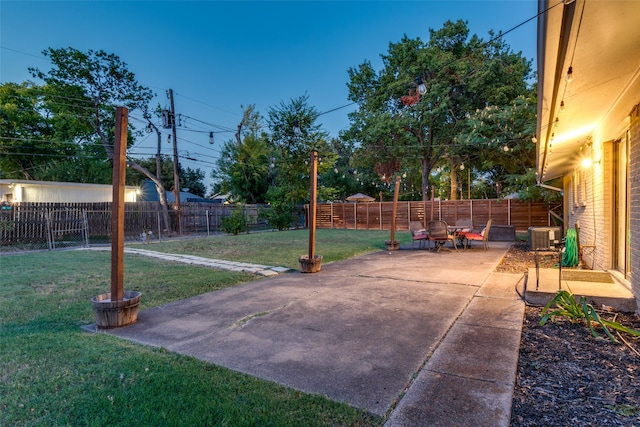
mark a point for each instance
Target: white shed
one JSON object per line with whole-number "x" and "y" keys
{"x": 16, "y": 191}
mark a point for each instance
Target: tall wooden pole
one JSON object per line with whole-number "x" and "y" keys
{"x": 117, "y": 206}
{"x": 312, "y": 204}
{"x": 433, "y": 197}
{"x": 176, "y": 178}
{"x": 395, "y": 209}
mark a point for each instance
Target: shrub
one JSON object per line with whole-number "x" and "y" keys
{"x": 564, "y": 304}
{"x": 235, "y": 223}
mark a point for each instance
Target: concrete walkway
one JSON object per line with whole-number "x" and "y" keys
{"x": 261, "y": 270}
{"x": 420, "y": 338}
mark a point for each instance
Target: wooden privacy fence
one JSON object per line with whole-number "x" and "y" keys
{"x": 377, "y": 215}
{"x": 51, "y": 225}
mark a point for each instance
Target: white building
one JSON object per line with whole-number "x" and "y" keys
{"x": 22, "y": 191}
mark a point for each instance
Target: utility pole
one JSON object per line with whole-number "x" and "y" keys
{"x": 150, "y": 128}
{"x": 176, "y": 178}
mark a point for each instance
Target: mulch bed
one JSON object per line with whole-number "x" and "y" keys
{"x": 568, "y": 377}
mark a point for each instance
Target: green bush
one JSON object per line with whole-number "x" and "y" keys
{"x": 278, "y": 216}
{"x": 235, "y": 223}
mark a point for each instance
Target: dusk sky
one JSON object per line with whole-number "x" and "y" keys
{"x": 218, "y": 56}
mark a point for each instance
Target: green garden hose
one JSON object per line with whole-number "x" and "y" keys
{"x": 570, "y": 255}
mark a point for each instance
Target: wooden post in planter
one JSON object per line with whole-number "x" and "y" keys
{"x": 312, "y": 263}
{"x": 313, "y": 190}
{"x": 117, "y": 308}
{"x": 117, "y": 210}
{"x": 393, "y": 244}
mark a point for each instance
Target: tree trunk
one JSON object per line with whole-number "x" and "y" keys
{"x": 161, "y": 192}
{"x": 425, "y": 179}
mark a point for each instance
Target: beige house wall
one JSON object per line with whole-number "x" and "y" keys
{"x": 634, "y": 171}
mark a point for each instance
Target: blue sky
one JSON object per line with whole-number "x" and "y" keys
{"x": 218, "y": 56}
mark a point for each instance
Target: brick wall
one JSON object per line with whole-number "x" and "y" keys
{"x": 587, "y": 203}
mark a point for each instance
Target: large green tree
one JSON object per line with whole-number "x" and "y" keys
{"x": 244, "y": 166}
{"x": 28, "y": 139}
{"x": 83, "y": 90}
{"x": 410, "y": 112}
{"x": 294, "y": 134}
{"x": 243, "y": 169}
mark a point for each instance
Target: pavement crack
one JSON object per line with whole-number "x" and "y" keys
{"x": 246, "y": 319}
{"x": 240, "y": 323}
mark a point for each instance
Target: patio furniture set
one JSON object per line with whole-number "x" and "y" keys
{"x": 439, "y": 232}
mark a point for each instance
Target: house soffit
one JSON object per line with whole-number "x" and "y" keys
{"x": 603, "y": 50}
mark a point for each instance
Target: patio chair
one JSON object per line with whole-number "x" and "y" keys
{"x": 418, "y": 234}
{"x": 462, "y": 227}
{"x": 466, "y": 223}
{"x": 439, "y": 234}
{"x": 483, "y": 236}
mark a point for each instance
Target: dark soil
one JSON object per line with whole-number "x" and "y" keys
{"x": 566, "y": 376}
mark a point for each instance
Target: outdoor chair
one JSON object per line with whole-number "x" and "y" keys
{"x": 439, "y": 234}
{"x": 418, "y": 234}
{"x": 483, "y": 236}
{"x": 465, "y": 223}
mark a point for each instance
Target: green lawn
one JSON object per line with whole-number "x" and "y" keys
{"x": 281, "y": 248}
{"x": 53, "y": 373}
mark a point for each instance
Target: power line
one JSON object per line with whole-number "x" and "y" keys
{"x": 208, "y": 105}
{"x": 24, "y": 53}
{"x": 338, "y": 108}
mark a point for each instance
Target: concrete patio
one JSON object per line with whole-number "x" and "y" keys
{"x": 597, "y": 286}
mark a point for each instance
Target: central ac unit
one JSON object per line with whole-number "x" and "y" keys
{"x": 544, "y": 237}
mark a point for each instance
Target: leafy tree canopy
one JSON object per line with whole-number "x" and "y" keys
{"x": 28, "y": 139}
{"x": 244, "y": 166}
{"x": 410, "y": 113}
{"x": 81, "y": 93}
{"x": 294, "y": 133}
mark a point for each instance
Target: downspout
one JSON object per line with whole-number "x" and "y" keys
{"x": 550, "y": 187}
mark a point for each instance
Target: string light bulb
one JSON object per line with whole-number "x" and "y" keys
{"x": 422, "y": 88}
{"x": 569, "y": 76}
